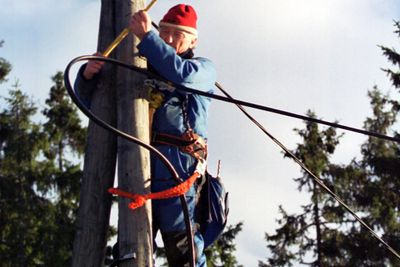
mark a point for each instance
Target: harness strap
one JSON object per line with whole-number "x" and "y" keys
{"x": 169, "y": 139}
{"x": 190, "y": 143}
{"x": 139, "y": 199}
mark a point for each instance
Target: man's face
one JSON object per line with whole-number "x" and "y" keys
{"x": 180, "y": 40}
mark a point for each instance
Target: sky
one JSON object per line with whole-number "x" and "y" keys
{"x": 295, "y": 55}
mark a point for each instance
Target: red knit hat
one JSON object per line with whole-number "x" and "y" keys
{"x": 182, "y": 17}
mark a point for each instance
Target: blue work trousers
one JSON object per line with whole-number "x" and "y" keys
{"x": 168, "y": 214}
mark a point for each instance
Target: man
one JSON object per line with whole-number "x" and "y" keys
{"x": 182, "y": 116}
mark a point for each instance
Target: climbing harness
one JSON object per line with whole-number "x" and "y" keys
{"x": 198, "y": 148}
{"x": 211, "y": 199}
{"x": 190, "y": 143}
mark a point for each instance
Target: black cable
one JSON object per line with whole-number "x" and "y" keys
{"x": 245, "y": 103}
{"x": 240, "y": 103}
{"x": 316, "y": 178}
{"x": 285, "y": 113}
{"x": 293, "y": 115}
{"x": 133, "y": 139}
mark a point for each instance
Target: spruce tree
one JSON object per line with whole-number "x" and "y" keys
{"x": 65, "y": 138}
{"x": 375, "y": 190}
{"x": 63, "y": 125}
{"x": 301, "y": 237}
{"x": 394, "y": 57}
{"x": 370, "y": 186}
{"x": 222, "y": 252}
{"x": 25, "y": 210}
{"x": 5, "y": 66}
{"x": 39, "y": 186}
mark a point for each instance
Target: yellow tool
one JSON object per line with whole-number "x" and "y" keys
{"x": 123, "y": 34}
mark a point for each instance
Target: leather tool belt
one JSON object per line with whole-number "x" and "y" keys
{"x": 189, "y": 142}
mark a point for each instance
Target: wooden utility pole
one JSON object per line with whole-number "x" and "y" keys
{"x": 100, "y": 160}
{"x": 134, "y": 227}
{"x": 118, "y": 100}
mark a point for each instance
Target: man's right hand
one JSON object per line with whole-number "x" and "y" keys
{"x": 93, "y": 67}
{"x": 140, "y": 24}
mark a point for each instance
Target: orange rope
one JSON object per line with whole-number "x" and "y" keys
{"x": 139, "y": 200}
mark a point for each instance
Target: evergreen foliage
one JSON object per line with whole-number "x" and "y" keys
{"x": 25, "y": 212}
{"x": 303, "y": 236}
{"x": 39, "y": 187}
{"x": 222, "y": 252}
{"x": 324, "y": 234}
{"x": 394, "y": 57}
{"x": 63, "y": 125}
{"x": 5, "y": 67}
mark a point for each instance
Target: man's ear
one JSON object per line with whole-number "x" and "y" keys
{"x": 193, "y": 43}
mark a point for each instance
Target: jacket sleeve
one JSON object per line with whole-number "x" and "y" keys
{"x": 197, "y": 73}
{"x": 84, "y": 88}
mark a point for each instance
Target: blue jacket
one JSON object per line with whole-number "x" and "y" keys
{"x": 197, "y": 73}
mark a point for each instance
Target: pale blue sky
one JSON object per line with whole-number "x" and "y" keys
{"x": 290, "y": 54}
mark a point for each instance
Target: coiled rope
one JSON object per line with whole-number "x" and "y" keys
{"x": 140, "y": 199}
